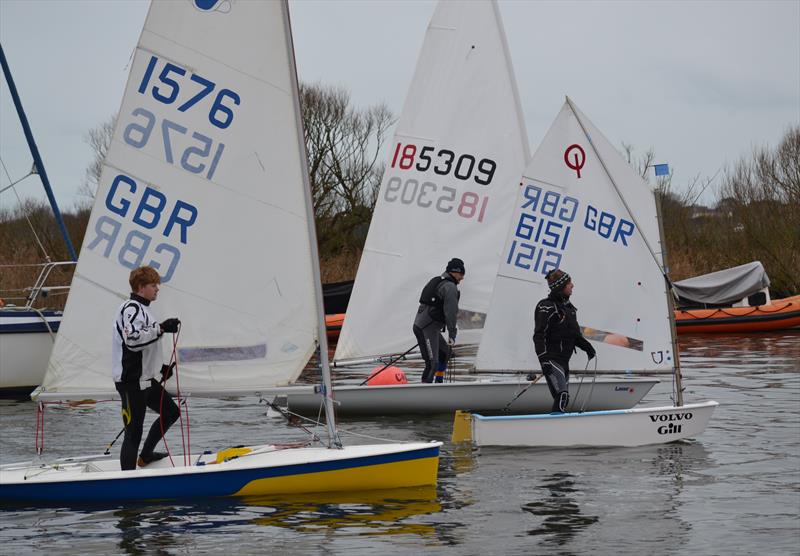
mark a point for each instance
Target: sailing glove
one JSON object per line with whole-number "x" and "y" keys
{"x": 451, "y": 342}
{"x": 170, "y": 325}
{"x": 591, "y": 353}
{"x": 166, "y": 370}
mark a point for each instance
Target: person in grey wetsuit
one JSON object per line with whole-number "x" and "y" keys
{"x": 438, "y": 309}
{"x": 555, "y": 336}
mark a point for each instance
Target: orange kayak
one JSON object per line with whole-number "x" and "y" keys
{"x": 780, "y": 314}
{"x": 333, "y": 326}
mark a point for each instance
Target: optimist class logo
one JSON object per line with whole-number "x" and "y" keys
{"x": 579, "y": 158}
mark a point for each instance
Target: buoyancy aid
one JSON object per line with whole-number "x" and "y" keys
{"x": 430, "y": 296}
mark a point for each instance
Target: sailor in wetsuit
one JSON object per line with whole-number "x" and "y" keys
{"x": 138, "y": 371}
{"x": 438, "y": 309}
{"x": 555, "y": 336}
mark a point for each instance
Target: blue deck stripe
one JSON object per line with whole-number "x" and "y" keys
{"x": 53, "y": 317}
{"x": 219, "y": 483}
{"x": 28, "y": 327}
{"x": 549, "y": 415}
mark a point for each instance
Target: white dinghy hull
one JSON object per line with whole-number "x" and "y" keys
{"x": 480, "y": 396}
{"x": 628, "y": 427}
{"x": 256, "y": 471}
{"x": 26, "y": 340}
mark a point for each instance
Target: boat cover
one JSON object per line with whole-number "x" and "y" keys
{"x": 724, "y": 286}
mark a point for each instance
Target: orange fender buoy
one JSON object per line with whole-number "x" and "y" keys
{"x": 387, "y": 377}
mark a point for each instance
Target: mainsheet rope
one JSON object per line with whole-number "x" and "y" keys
{"x": 185, "y": 434}
{"x": 184, "y": 438}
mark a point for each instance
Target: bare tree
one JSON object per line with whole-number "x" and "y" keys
{"x": 343, "y": 145}
{"x": 761, "y": 199}
{"x": 99, "y": 139}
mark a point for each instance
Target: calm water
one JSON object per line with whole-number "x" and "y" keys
{"x": 735, "y": 490}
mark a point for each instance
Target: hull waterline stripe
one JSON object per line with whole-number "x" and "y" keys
{"x": 216, "y": 483}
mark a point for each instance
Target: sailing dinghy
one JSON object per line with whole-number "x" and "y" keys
{"x": 206, "y": 180}
{"x": 458, "y": 150}
{"x": 450, "y": 182}
{"x": 582, "y": 208}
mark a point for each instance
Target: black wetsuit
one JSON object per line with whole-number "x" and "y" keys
{"x": 136, "y": 363}
{"x": 555, "y": 337}
{"x": 438, "y": 310}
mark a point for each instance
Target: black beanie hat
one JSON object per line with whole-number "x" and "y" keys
{"x": 557, "y": 279}
{"x": 456, "y": 265}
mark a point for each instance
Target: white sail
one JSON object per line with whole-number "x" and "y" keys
{"x": 201, "y": 182}
{"x": 458, "y": 151}
{"x": 568, "y": 214}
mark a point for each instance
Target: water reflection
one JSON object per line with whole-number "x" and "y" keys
{"x": 144, "y": 531}
{"x": 368, "y": 513}
{"x": 561, "y": 516}
{"x": 157, "y": 529}
{"x": 779, "y": 350}
{"x": 680, "y": 461}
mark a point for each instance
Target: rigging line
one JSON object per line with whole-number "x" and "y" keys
{"x": 14, "y": 189}
{"x": 8, "y": 175}
{"x": 616, "y": 188}
{"x": 294, "y": 419}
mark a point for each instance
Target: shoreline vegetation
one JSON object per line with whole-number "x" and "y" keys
{"x": 756, "y": 215}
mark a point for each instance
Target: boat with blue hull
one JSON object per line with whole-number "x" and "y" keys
{"x": 227, "y": 153}
{"x": 261, "y": 471}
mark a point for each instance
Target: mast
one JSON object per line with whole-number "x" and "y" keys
{"x": 671, "y": 308}
{"x": 661, "y": 267}
{"x": 333, "y": 437}
{"x": 37, "y": 160}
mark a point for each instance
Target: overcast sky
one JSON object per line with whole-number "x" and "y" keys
{"x": 701, "y": 83}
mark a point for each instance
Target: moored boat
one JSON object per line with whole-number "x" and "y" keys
{"x": 333, "y": 326}
{"x": 26, "y": 340}
{"x": 733, "y": 300}
{"x": 778, "y": 314}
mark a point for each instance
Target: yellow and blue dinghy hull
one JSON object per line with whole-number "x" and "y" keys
{"x": 262, "y": 471}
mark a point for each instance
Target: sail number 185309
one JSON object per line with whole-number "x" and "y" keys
{"x": 444, "y": 162}
{"x": 424, "y": 191}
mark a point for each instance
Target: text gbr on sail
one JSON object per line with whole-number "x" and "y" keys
{"x": 148, "y": 209}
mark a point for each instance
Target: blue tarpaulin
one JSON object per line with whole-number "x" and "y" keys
{"x": 661, "y": 169}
